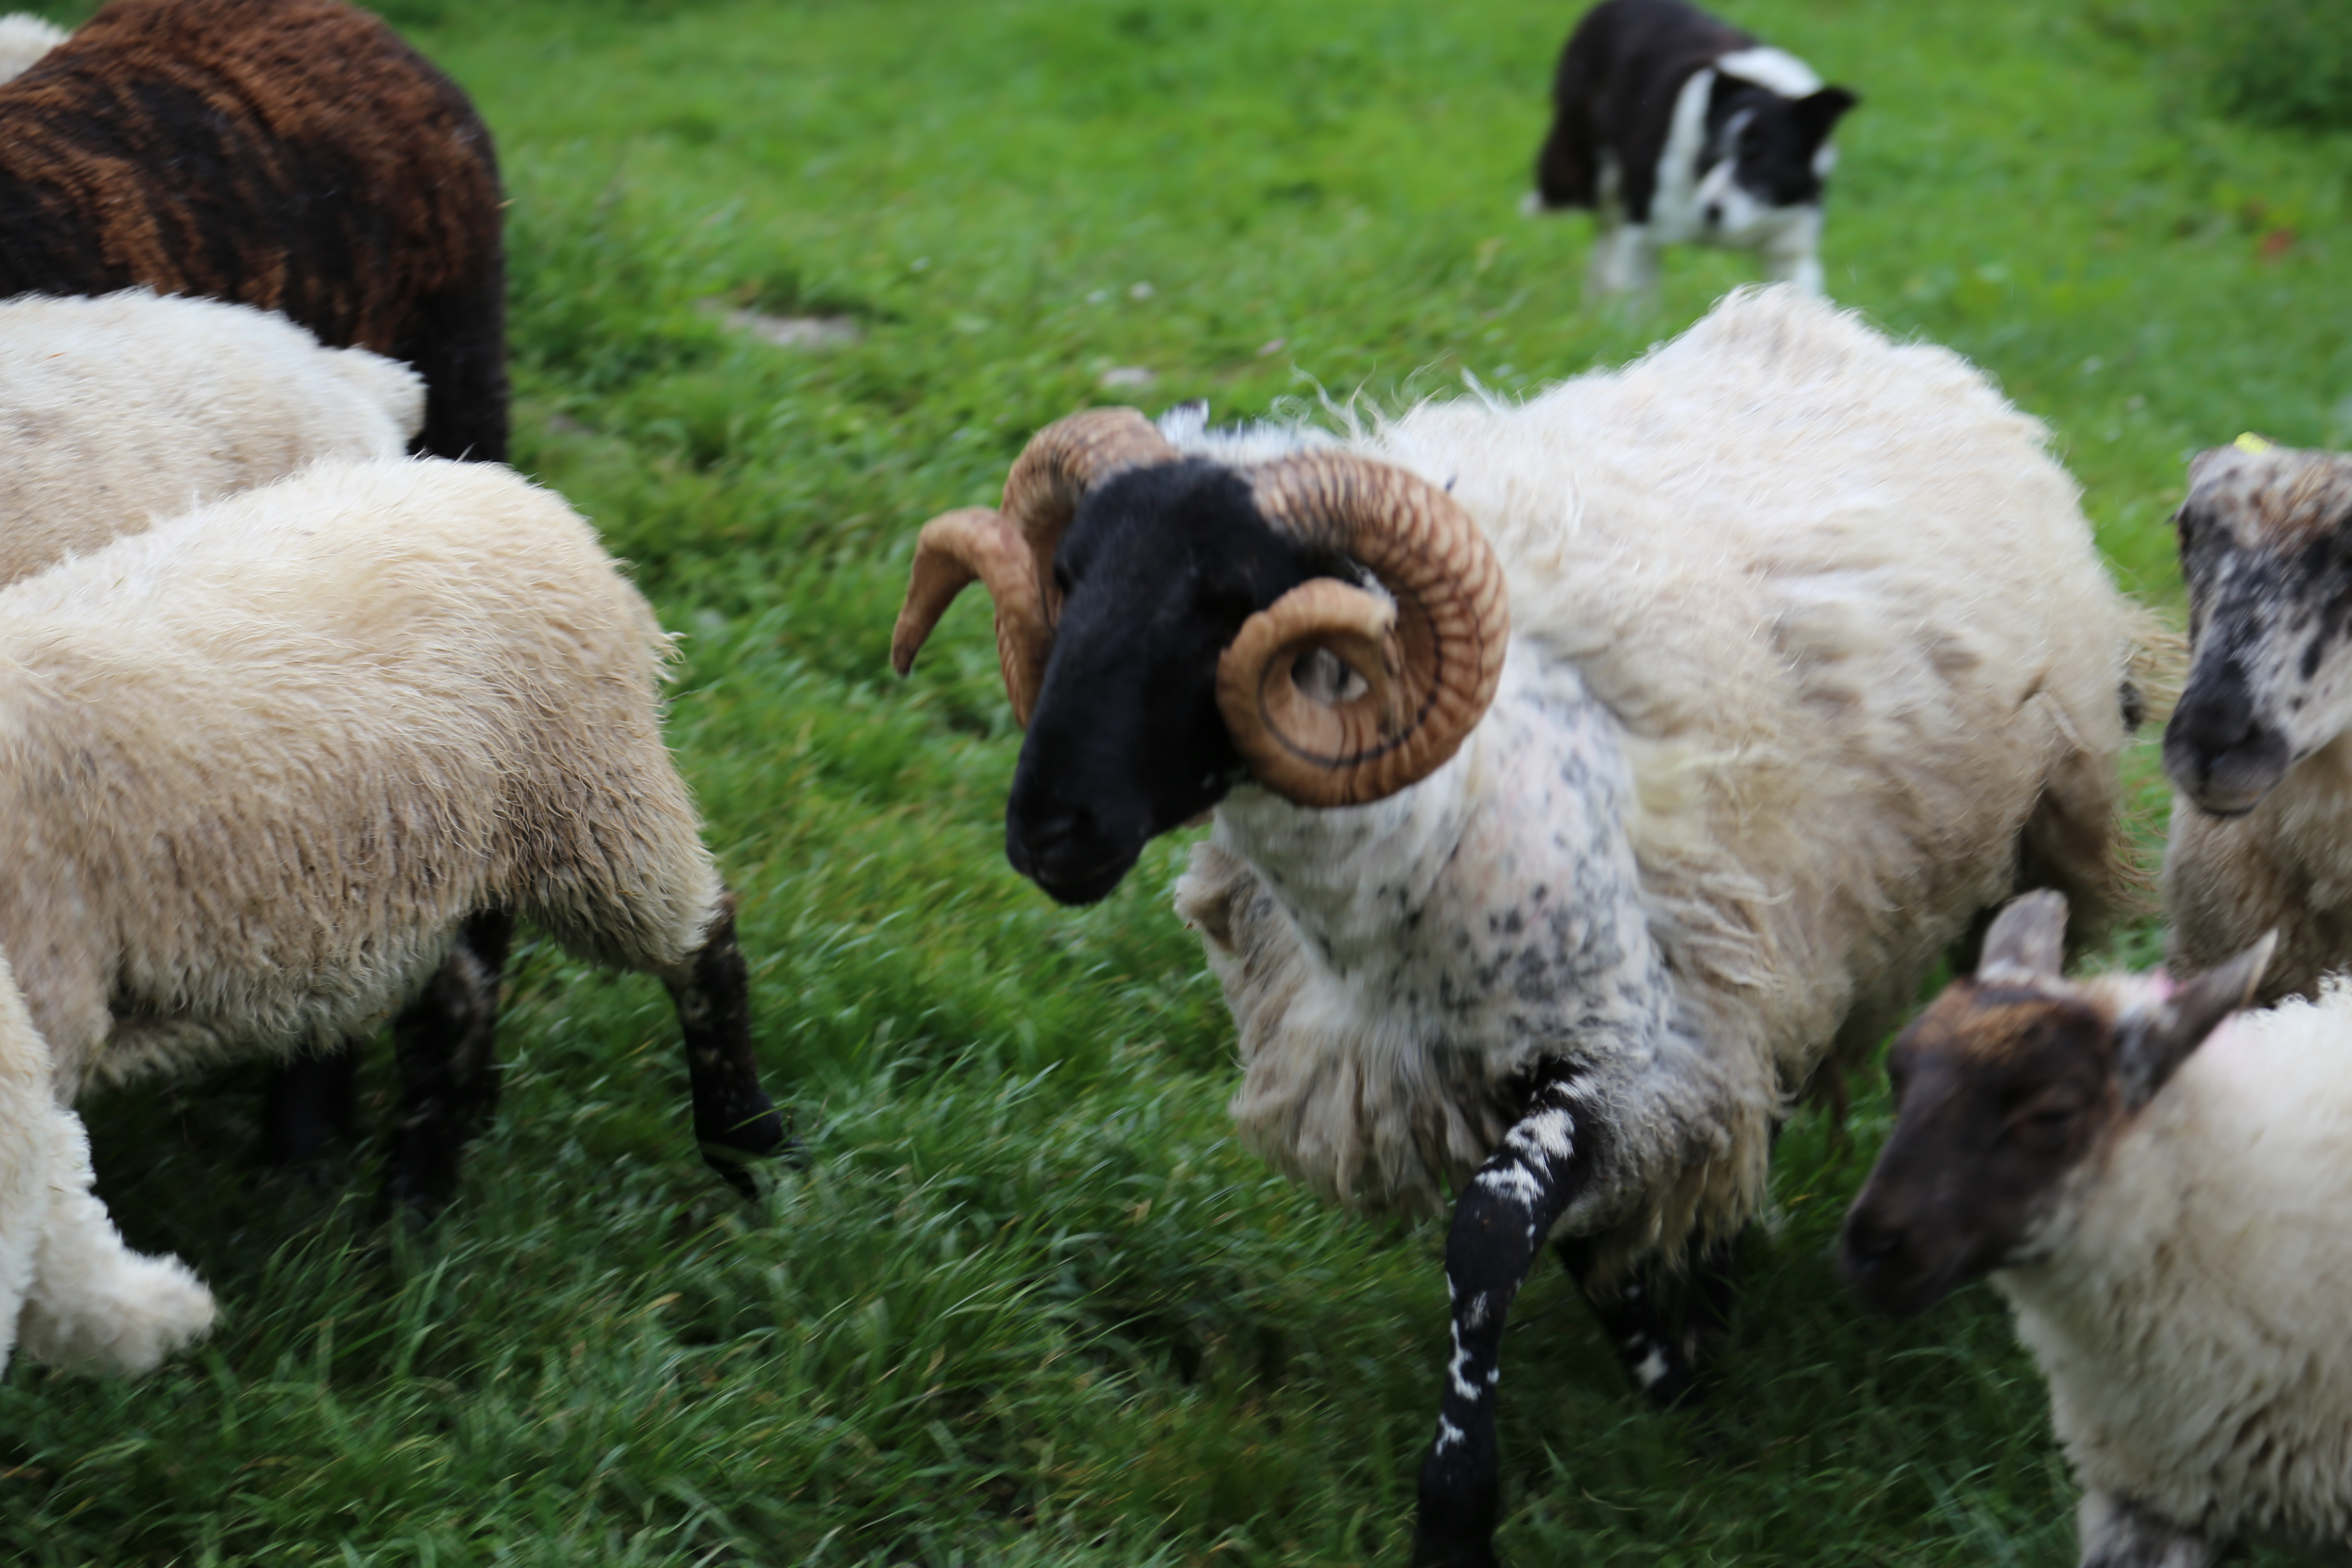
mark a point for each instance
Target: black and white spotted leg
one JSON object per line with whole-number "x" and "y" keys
{"x": 1659, "y": 1322}
{"x": 734, "y": 1120}
{"x": 1499, "y": 1227}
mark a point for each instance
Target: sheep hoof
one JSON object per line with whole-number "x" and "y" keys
{"x": 763, "y": 1136}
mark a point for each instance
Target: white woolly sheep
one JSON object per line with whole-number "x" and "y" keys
{"x": 2260, "y": 748}
{"x": 1809, "y": 659}
{"x": 2160, "y": 1189}
{"x": 259, "y": 763}
{"x": 24, "y": 39}
{"x": 298, "y": 156}
{"x": 118, "y": 411}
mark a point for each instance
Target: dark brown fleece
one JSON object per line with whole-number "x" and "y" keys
{"x": 291, "y": 154}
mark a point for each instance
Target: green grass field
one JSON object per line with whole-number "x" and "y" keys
{"x": 1029, "y": 1304}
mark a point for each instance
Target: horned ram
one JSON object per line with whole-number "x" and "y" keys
{"x": 1589, "y": 776}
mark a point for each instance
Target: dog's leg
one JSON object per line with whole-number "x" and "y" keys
{"x": 1625, "y": 260}
{"x": 1792, "y": 254}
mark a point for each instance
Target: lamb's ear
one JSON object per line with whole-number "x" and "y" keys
{"x": 2028, "y": 941}
{"x": 2150, "y": 1046}
{"x": 1819, "y": 112}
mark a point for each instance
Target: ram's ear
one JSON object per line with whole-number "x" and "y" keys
{"x": 2028, "y": 941}
{"x": 2150, "y": 1046}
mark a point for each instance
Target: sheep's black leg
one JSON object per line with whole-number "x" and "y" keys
{"x": 445, "y": 1044}
{"x": 1659, "y": 1323}
{"x": 310, "y": 1105}
{"x": 734, "y": 1120}
{"x": 2118, "y": 1533}
{"x": 1500, "y": 1225}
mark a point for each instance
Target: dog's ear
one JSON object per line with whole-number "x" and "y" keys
{"x": 1820, "y": 110}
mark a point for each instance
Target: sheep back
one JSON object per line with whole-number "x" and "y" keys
{"x": 260, "y": 762}
{"x": 290, "y": 154}
{"x": 2190, "y": 1322}
{"x": 1850, "y": 622}
{"x": 119, "y": 410}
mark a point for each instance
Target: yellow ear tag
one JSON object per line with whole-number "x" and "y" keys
{"x": 2250, "y": 442}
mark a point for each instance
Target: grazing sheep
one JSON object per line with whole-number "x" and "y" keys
{"x": 119, "y": 411}
{"x": 2159, "y": 1190}
{"x": 23, "y": 40}
{"x": 260, "y": 763}
{"x": 294, "y": 155}
{"x": 1807, "y": 659}
{"x": 2260, "y": 748}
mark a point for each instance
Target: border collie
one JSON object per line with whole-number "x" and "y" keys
{"x": 1671, "y": 125}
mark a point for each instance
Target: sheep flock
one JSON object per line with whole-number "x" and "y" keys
{"x": 1590, "y": 779}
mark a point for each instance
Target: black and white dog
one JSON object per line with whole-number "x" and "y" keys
{"x": 1671, "y": 125}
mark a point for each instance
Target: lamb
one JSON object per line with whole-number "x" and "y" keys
{"x": 2260, "y": 747}
{"x": 116, "y": 411}
{"x": 1589, "y": 776}
{"x": 259, "y": 763}
{"x": 2159, "y": 1188}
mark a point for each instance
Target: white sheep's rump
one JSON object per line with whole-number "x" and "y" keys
{"x": 2195, "y": 1323}
{"x": 24, "y": 39}
{"x": 1811, "y": 575}
{"x": 120, "y": 410}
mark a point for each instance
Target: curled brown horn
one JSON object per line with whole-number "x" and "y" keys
{"x": 1429, "y": 665}
{"x": 1011, "y": 551}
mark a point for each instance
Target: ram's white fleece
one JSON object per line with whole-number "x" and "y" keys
{"x": 1813, "y": 625}
{"x": 119, "y": 410}
{"x": 2192, "y": 1309}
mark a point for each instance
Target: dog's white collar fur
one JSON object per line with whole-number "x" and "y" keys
{"x": 1775, "y": 70}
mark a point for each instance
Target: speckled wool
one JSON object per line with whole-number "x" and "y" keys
{"x": 1809, "y": 638}
{"x": 2189, "y": 1305}
{"x": 119, "y": 410}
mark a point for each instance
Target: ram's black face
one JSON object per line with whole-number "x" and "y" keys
{"x": 1157, "y": 573}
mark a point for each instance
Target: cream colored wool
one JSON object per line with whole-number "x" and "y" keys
{"x": 257, "y": 763}
{"x": 1854, "y": 640}
{"x": 119, "y": 410}
{"x": 24, "y": 39}
{"x": 2189, "y": 1302}
{"x": 58, "y": 1247}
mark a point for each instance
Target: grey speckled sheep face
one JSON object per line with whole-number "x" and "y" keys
{"x": 2266, "y": 548}
{"x": 1158, "y": 572}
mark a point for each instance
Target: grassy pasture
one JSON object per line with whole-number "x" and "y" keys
{"x": 1029, "y": 1304}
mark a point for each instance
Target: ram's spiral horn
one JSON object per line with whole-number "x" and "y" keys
{"x": 1010, "y": 551}
{"x": 1428, "y": 657}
